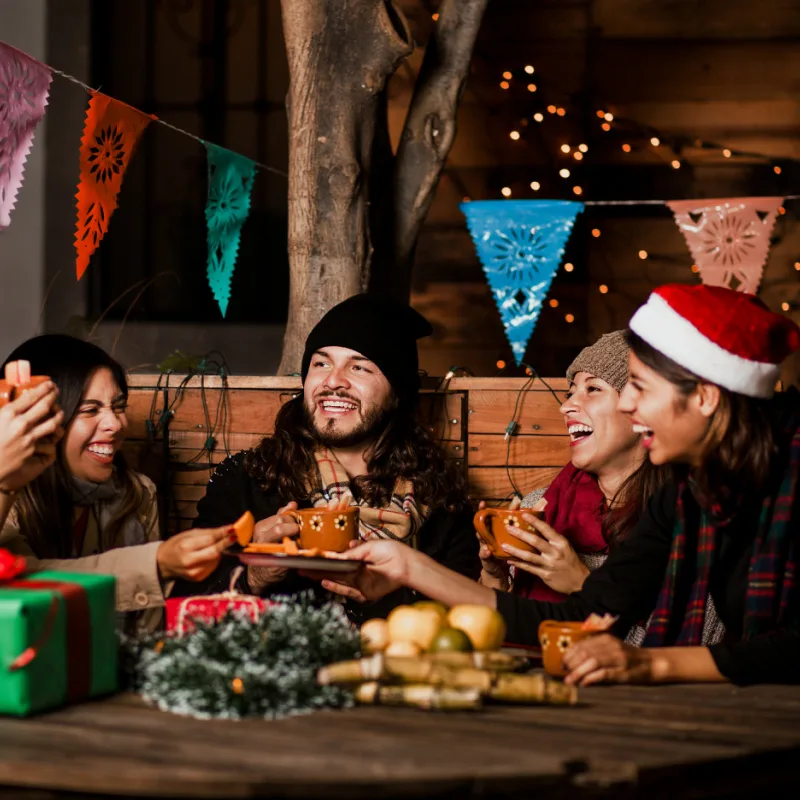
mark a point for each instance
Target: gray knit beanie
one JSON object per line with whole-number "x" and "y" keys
{"x": 606, "y": 359}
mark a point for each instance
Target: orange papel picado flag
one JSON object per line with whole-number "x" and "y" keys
{"x": 110, "y": 135}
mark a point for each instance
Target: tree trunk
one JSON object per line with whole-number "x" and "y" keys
{"x": 430, "y": 129}
{"x": 340, "y": 53}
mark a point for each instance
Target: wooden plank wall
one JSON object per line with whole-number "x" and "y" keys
{"x": 468, "y": 415}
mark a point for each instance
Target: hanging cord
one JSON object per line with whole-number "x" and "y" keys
{"x": 513, "y": 425}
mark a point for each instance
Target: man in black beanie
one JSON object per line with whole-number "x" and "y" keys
{"x": 351, "y": 436}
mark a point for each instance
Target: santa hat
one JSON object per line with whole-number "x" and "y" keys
{"x": 722, "y": 336}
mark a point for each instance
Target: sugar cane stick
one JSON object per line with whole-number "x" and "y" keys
{"x": 423, "y": 696}
{"x": 537, "y": 688}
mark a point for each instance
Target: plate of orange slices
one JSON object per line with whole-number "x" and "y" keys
{"x": 285, "y": 554}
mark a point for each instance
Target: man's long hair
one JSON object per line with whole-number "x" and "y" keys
{"x": 284, "y": 462}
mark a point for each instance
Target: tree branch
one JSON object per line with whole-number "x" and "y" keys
{"x": 430, "y": 126}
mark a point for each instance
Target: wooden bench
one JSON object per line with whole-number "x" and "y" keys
{"x": 180, "y": 428}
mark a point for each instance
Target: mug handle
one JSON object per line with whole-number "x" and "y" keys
{"x": 484, "y": 531}
{"x": 295, "y": 516}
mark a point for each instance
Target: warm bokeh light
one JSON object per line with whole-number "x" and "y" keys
{"x": 695, "y": 268}
{"x": 605, "y": 126}
{"x": 466, "y": 199}
{"x": 655, "y": 141}
{"x": 777, "y": 170}
{"x": 565, "y": 148}
{"x": 564, "y": 173}
{"x": 676, "y": 164}
{"x": 504, "y": 84}
{"x": 577, "y": 155}
{"x": 535, "y": 185}
{"x": 643, "y": 254}
{"x": 577, "y": 190}
{"x": 532, "y": 87}
{"x": 514, "y": 135}
{"x": 603, "y": 288}
{"x": 561, "y": 111}
{"x": 626, "y": 148}
{"x": 601, "y": 113}
{"x": 569, "y": 318}
{"x": 569, "y": 267}
{"x": 553, "y": 303}
{"x": 596, "y": 233}
{"x": 781, "y": 210}
{"x": 529, "y": 69}
{"x": 506, "y": 191}
{"x": 435, "y": 17}
{"x": 584, "y": 148}
{"x": 538, "y": 116}
{"x": 608, "y": 116}
{"x": 785, "y": 306}
{"x": 501, "y": 364}
{"x": 507, "y": 75}
{"x": 797, "y": 265}
{"x": 726, "y": 153}
{"x": 551, "y": 109}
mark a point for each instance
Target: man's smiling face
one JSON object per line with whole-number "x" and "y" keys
{"x": 346, "y": 397}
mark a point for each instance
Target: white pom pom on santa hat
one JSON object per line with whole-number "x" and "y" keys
{"x": 722, "y": 336}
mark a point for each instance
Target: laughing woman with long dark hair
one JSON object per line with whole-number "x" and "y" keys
{"x": 703, "y": 369}
{"x": 88, "y": 511}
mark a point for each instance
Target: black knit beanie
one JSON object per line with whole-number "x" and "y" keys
{"x": 382, "y": 330}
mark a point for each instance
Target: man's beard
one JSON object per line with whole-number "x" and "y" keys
{"x": 370, "y": 426}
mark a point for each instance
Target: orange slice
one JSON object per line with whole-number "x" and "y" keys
{"x": 264, "y": 547}
{"x": 243, "y": 527}
{"x": 289, "y": 546}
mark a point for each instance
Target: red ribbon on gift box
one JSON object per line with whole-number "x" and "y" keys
{"x": 79, "y": 628}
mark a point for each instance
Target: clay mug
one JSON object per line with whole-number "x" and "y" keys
{"x": 6, "y": 393}
{"x": 325, "y": 528}
{"x": 31, "y": 383}
{"x": 555, "y": 637}
{"x": 491, "y": 526}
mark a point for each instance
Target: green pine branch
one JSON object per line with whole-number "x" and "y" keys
{"x": 238, "y": 668}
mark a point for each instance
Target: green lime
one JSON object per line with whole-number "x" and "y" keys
{"x": 450, "y": 640}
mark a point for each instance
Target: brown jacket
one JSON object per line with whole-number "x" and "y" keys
{"x": 139, "y": 588}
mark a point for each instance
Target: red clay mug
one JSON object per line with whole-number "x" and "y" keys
{"x": 555, "y": 637}
{"x": 325, "y": 528}
{"x": 491, "y": 526}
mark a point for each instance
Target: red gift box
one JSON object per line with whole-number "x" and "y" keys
{"x": 209, "y": 608}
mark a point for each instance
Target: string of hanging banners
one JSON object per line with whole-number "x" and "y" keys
{"x": 520, "y": 242}
{"x": 111, "y": 132}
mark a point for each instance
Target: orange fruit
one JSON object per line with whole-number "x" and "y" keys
{"x": 243, "y": 528}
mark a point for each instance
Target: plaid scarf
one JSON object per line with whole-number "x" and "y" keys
{"x": 771, "y": 575}
{"x": 400, "y": 520}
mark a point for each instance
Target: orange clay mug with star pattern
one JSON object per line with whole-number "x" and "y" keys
{"x": 326, "y": 528}
{"x": 491, "y": 526}
{"x": 555, "y": 637}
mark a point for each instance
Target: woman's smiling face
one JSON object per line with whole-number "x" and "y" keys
{"x": 673, "y": 427}
{"x": 601, "y": 438}
{"x": 97, "y": 430}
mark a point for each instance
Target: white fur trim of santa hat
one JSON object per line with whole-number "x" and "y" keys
{"x": 664, "y": 329}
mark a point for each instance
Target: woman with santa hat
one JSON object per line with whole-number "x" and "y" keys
{"x": 704, "y": 366}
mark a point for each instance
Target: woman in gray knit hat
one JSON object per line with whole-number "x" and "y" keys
{"x": 596, "y": 498}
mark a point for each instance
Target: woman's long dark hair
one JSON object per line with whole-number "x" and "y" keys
{"x": 284, "y": 462}
{"x": 45, "y": 506}
{"x": 740, "y": 445}
{"x": 629, "y": 503}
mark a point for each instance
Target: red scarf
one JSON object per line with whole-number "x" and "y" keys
{"x": 575, "y": 509}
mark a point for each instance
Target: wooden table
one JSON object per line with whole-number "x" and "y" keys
{"x": 669, "y": 742}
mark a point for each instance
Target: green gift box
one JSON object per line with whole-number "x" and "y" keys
{"x": 58, "y": 640}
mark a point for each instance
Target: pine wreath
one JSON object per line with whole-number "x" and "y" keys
{"x": 237, "y": 668}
